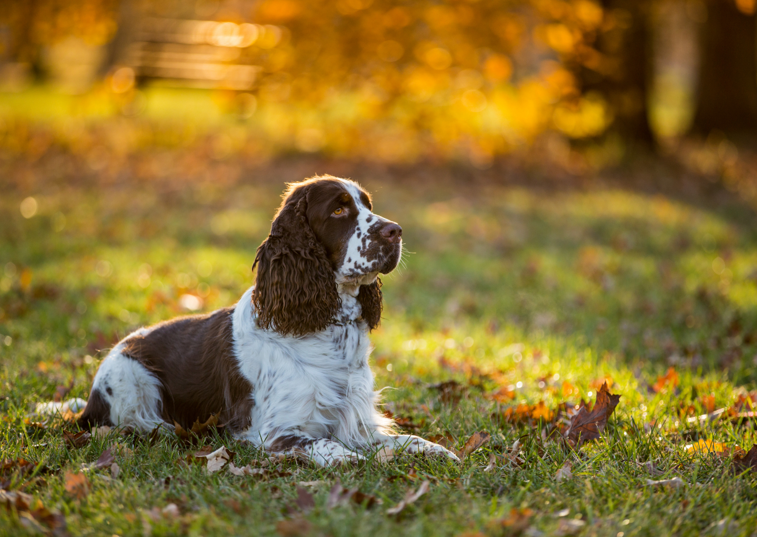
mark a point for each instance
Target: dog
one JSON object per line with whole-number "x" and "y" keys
{"x": 286, "y": 368}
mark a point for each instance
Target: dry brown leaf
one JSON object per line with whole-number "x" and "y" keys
{"x": 339, "y": 495}
{"x": 115, "y": 470}
{"x": 747, "y": 461}
{"x": 105, "y": 460}
{"x": 450, "y": 391}
{"x": 201, "y": 428}
{"x": 305, "y": 501}
{"x": 516, "y": 523}
{"x": 295, "y": 527}
{"x": 198, "y": 429}
{"x": 385, "y": 454}
{"x": 410, "y": 497}
{"x": 585, "y": 425}
{"x": 39, "y": 519}
{"x": 476, "y": 440}
{"x": 215, "y": 460}
{"x": 76, "y": 440}
{"x": 446, "y": 441}
{"x": 15, "y": 499}
{"x": 77, "y": 485}
{"x": 566, "y": 472}
{"x": 100, "y": 432}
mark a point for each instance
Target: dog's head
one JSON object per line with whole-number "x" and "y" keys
{"x": 324, "y": 235}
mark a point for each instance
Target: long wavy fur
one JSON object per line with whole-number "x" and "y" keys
{"x": 369, "y": 297}
{"x": 295, "y": 290}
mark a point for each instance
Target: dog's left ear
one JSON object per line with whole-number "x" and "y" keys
{"x": 295, "y": 290}
{"x": 369, "y": 297}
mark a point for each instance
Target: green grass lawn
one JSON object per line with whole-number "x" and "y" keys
{"x": 538, "y": 294}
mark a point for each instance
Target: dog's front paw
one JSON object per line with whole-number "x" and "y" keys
{"x": 435, "y": 450}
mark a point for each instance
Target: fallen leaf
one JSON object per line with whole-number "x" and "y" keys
{"x": 516, "y": 523}
{"x": 540, "y": 411}
{"x": 16, "y": 499}
{"x": 215, "y": 460}
{"x": 294, "y": 527}
{"x": 410, "y": 497}
{"x": 77, "y": 485}
{"x": 198, "y": 429}
{"x": 476, "y": 440}
{"x": 105, "y": 460}
{"x": 100, "y": 432}
{"x": 747, "y": 462}
{"x": 450, "y": 391}
{"x": 361, "y": 498}
{"x": 171, "y": 511}
{"x": 54, "y": 520}
{"x": 585, "y": 425}
{"x": 76, "y": 440}
{"x": 671, "y": 483}
{"x": 339, "y": 495}
{"x": 446, "y": 441}
{"x": 39, "y": 519}
{"x": 385, "y": 454}
{"x": 492, "y": 463}
{"x": 569, "y": 526}
{"x": 707, "y": 446}
{"x": 668, "y": 380}
{"x": 115, "y": 470}
{"x": 305, "y": 501}
{"x": 565, "y": 472}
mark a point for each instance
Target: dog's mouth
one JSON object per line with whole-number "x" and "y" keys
{"x": 391, "y": 258}
{"x": 385, "y": 259}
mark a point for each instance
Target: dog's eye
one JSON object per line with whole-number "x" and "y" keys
{"x": 339, "y": 211}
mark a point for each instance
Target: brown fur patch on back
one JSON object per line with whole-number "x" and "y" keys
{"x": 193, "y": 357}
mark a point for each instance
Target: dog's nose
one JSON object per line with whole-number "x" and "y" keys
{"x": 392, "y": 232}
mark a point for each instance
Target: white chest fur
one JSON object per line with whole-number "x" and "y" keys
{"x": 319, "y": 385}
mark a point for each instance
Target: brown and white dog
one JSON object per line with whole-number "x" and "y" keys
{"x": 287, "y": 366}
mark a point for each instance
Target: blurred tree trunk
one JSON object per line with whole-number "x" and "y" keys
{"x": 627, "y": 46}
{"x": 727, "y": 93}
{"x": 23, "y": 47}
{"x": 118, "y": 47}
{"x": 623, "y": 75}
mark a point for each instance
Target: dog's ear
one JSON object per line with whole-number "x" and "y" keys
{"x": 295, "y": 290}
{"x": 369, "y": 297}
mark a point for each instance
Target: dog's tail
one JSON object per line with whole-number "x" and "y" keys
{"x": 46, "y": 410}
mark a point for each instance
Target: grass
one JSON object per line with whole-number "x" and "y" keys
{"x": 547, "y": 291}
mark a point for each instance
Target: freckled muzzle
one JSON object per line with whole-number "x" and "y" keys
{"x": 388, "y": 238}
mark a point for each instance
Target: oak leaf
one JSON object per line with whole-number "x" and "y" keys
{"x": 77, "y": 485}
{"x": 76, "y": 440}
{"x": 585, "y": 425}
{"x": 474, "y": 442}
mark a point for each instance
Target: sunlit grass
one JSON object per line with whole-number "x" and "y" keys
{"x": 552, "y": 290}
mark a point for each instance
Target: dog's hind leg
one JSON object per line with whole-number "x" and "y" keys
{"x": 124, "y": 394}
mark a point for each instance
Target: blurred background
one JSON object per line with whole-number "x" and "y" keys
{"x": 579, "y": 84}
{"x": 574, "y": 177}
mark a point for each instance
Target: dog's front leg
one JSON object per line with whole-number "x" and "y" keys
{"x": 321, "y": 451}
{"x": 411, "y": 444}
